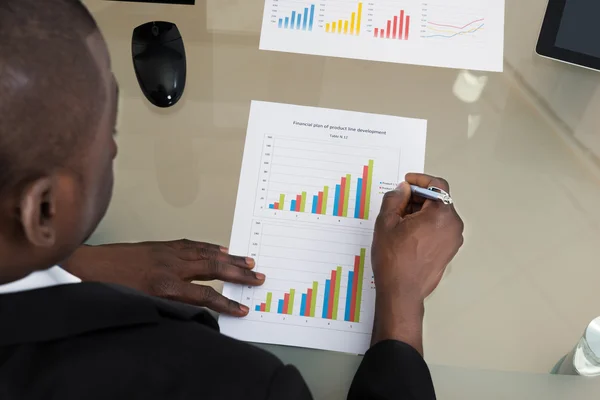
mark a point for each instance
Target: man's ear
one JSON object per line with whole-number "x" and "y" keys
{"x": 38, "y": 212}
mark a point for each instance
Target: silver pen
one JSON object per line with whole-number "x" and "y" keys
{"x": 432, "y": 193}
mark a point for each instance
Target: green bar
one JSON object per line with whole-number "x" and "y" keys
{"x": 303, "y": 203}
{"x": 324, "y": 205}
{"x": 361, "y": 272}
{"x": 313, "y": 300}
{"x": 281, "y": 201}
{"x": 268, "y": 304}
{"x": 368, "y": 197}
{"x": 347, "y": 194}
{"x": 336, "y": 294}
{"x": 291, "y": 302}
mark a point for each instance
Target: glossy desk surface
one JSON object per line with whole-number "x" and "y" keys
{"x": 518, "y": 295}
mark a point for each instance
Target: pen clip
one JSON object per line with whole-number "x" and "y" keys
{"x": 442, "y": 195}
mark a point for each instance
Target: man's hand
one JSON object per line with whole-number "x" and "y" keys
{"x": 414, "y": 241}
{"x": 166, "y": 269}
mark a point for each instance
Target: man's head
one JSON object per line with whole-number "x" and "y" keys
{"x": 58, "y": 106}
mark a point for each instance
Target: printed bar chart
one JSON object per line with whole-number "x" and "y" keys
{"x": 331, "y": 298}
{"x": 347, "y": 26}
{"x": 341, "y": 198}
{"x": 300, "y": 21}
{"x": 397, "y": 28}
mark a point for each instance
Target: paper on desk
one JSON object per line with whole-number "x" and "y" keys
{"x": 311, "y": 186}
{"x": 466, "y": 34}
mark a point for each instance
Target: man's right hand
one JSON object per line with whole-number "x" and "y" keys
{"x": 414, "y": 241}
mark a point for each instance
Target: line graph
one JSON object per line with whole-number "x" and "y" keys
{"x": 444, "y": 22}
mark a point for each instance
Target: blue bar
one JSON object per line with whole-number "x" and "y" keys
{"x": 312, "y": 17}
{"x": 303, "y": 305}
{"x": 293, "y": 206}
{"x": 272, "y": 206}
{"x": 298, "y": 24}
{"x": 280, "y": 307}
{"x": 336, "y": 201}
{"x": 258, "y": 308}
{"x": 281, "y": 22}
{"x": 287, "y": 22}
{"x": 326, "y": 299}
{"x": 349, "y": 296}
{"x": 305, "y": 20}
{"x": 293, "y": 20}
{"x": 358, "y": 195}
{"x": 315, "y": 203}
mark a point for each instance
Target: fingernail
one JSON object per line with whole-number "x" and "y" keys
{"x": 224, "y": 249}
{"x": 260, "y": 276}
{"x": 250, "y": 262}
{"x": 244, "y": 309}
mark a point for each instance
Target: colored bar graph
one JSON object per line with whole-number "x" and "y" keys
{"x": 355, "y": 275}
{"x": 336, "y": 296}
{"x": 349, "y": 296}
{"x": 342, "y": 196}
{"x": 325, "y": 313}
{"x": 303, "y": 305}
{"x": 358, "y": 206}
{"x": 303, "y": 202}
{"x": 350, "y": 26}
{"x": 281, "y": 201}
{"x": 336, "y": 201}
{"x": 347, "y": 194}
{"x": 301, "y": 20}
{"x": 367, "y": 193}
{"x": 331, "y": 300}
{"x": 397, "y": 27}
{"x": 341, "y": 193}
{"x": 361, "y": 272}
{"x": 313, "y": 298}
{"x": 286, "y": 302}
{"x": 291, "y": 303}
{"x": 269, "y": 299}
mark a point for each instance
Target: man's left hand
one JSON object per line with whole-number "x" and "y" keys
{"x": 166, "y": 269}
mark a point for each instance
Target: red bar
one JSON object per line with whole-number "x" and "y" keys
{"x": 320, "y": 203}
{"x": 389, "y": 28}
{"x": 342, "y": 194}
{"x": 395, "y": 26}
{"x": 286, "y": 301}
{"x": 308, "y": 302}
{"x": 276, "y": 206}
{"x": 376, "y": 32}
{"x": 298, "y": 201}
{"x": 363, "y": 192}
{"x": 331, "y": 294}
{"x": 263, "y": 307}
{"x": 401, "y": 25}
{"x": 381, "y": 32}
{"x": 407, "y": 27}
{"x": 354, "y": 287}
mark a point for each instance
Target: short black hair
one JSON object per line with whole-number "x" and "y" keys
{"x": 49, "y": 87}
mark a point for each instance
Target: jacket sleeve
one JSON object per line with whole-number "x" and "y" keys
{"x": 392, "y": 370}
{"x": 288, "y": 384}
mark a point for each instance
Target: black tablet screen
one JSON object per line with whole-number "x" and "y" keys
{"x": 579, "y": 29}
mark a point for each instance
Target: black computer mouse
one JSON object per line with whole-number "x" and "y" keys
{"x": 159, "y": 62}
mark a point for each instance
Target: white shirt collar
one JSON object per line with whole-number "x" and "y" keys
{"x": 40, "y": 279}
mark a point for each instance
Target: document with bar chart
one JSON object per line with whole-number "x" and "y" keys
{"x": 466, "y": 34}
{"x": 311, "y": 185}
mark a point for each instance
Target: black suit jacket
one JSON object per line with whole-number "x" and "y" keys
{"x": 93, "y": 341}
